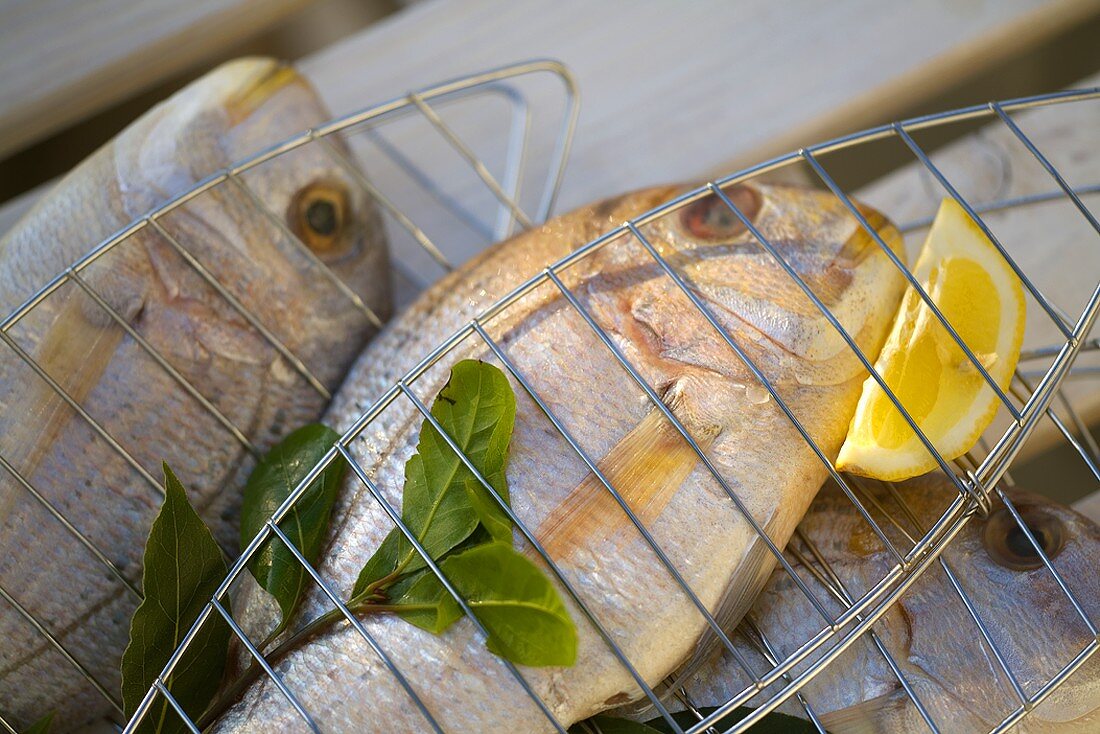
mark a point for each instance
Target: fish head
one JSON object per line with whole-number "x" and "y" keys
{"x": 1040, "y": 629}
{"x": 1023, "y": 608}
{"x": 316, "y": 191}
{"x": 298, "y": 229}
{"x": 756, "y": 297}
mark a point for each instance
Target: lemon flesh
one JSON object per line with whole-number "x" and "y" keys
{"x": 941, "y": 389}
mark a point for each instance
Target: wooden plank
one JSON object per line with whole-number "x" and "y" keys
{"x": 1052, "y": 243}
{"x": 675, "y": 90}
{"x": 65, "y": 59}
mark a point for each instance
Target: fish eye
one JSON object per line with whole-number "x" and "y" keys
{"x": 1008, "y": 545}
{"x": 711, "y": 220}
{"x": 318, "y": 214}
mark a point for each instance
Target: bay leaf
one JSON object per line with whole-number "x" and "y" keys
{"x": 612, "y": 725}
{"x": 774, "y": 722}
{"x": 183, "y": 567}
{"x": 427, "y": 603}
{"x": 477, "y": 409}
{"x": 515, "y": 601}
{"x": 489, "y": 512}
{"x": 381, "y": 564}
{"x": 42, "y": 726}
{"x": 275, "y": 477}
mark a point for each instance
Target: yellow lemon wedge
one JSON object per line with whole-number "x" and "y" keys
{"x": 983, "y": 299}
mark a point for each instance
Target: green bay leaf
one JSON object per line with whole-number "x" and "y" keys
{"x": 477, "y": 409}
{"x": 519, "y": 606}
{"x": 275, "y": 477}
{"x": 443, "y": 503}
{"x": 42, "y": 726}
{"x": 183, "y": 569}
{"x": 426, "y": 602}
{"x": 613, "y": 725}
{"x": 381, "y": 564}
{"x": 774, "y": 722}
{"x": 489, "y": 512}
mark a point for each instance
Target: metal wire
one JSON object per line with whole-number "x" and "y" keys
{"x": 99, "y": 555}
{"x": 354, "y": 621}
{"x": 163, "y": 363}
{"x": 497, "y": 82}
{"x": 262, "y": 661}
{"x": 53, "y": 640}
{"x": 410, "y": 536}
{"x": 859, "y": 615}
{"x": 1027, "y": 702}
{"x": 583, "y": 456}
{"x": 828, "y": 578}
{"x": 976, "y": 485}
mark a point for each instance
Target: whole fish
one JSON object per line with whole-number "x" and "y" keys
{"x": 929, "y": 633}
{"x": 752, "y": 444}
{"x": 143, "y": 339}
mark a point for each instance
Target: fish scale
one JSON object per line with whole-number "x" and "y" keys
{"x": 162, "y": 305}
{"x": 929, "y": 632}
{"x": 756, "y": 450}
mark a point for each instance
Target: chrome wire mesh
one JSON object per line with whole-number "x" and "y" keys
{"x": 475, "y": 93}
{"x": 978, "y": 480}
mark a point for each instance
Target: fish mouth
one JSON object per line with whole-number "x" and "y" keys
{"x": 268, "y": 78}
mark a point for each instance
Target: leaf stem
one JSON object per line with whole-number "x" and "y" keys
{"x": 365, "y": 603}
{"x": 373, "y": 587}
{"x": 267, "y": 641}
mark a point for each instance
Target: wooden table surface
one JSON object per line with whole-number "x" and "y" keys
{"x": 64, "y": 60}
{"x": 675, "y": 91}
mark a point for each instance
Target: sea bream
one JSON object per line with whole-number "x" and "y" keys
{"x": 164, "y": 309}
{"x": 930, "y": 634}
{"x": 752, "y": 444}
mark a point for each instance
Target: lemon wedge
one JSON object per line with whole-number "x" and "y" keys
{"x": 983, "y": 299}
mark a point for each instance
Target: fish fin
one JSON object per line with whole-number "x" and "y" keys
{"x": 873, "y": 716}
{"x": 645, "y": 467}
{"x": 74, "y": 352}
{"x": 746, "y": 582}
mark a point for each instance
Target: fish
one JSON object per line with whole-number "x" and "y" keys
{"x": 346, "y": 687}
{"x": 144, "y": 343}
{"x": 929, "y": 633}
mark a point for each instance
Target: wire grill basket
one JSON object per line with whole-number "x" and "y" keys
{"x": 848, "y": 616}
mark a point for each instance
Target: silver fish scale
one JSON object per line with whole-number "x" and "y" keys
{"x": 848, "y": 615}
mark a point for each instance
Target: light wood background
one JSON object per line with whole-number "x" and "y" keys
{"x": 75, "y": 72}
{"x": 747, "y": 78}
{"x": 63, "y": 60}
